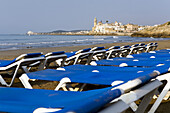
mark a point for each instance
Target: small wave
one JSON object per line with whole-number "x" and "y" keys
{"x": 96, "y": 39}
{"x": 115, "y": 37}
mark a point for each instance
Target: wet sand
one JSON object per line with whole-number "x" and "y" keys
{"x": 11, "y": 54}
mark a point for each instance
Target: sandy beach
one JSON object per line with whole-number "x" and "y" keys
{"x": 11, "y": 54}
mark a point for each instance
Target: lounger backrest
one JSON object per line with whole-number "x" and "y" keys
{"x": 114, "y": 47}
{"x": 98, "y": 53}
{"x": 29, "y": 55}
{"x": 141, "y": 44}
{"x": 83, "y": 50}
{"x": 53, "y": 56}
{"x": 125, "y": 47}
{"x": 54, "y": 53}
{"x": 97, "y": 48}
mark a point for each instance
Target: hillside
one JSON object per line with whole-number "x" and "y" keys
{"x": 162, "y": 30}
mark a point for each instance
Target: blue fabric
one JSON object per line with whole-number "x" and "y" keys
{"x": 73, "y": 53}
{"x": 136, "y": 45}
{"x": 142, "y": 58}
{"x": 86, "y": 50}
{"x": 115, "y": 47}
{"x": 98, "y": 48}
{"x": 58, "y": 53}
{"x": 127, "y": 46}
{"x": 142, "y": 44}
{"x": 152, "y": 54}
{"x": 4, "y": 63}
{"x": 33, "y": 54}
{"x": 111, "y": 69}
{"x": 27, "y": 100}
{"x": 70, "y": 54}
{"x": 104, "y": 77}
{"x": 142, "y": 63}
{"x": 165, "y": 50}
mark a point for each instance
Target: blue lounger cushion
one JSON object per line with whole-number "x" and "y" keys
{"x": 142, "y": 58}
{"x": 102, "y": 78}
{"x": 70, "y": 54}
{"x": 4, "y": 63}
{"x": 58, "y": 53}
{"x": 110, "y": 69}
{"x": 77, "y": 52}
{"x": 97, "y": 48}
{"x": 141, "y": 63}
{"x": 30, "y": 55}
{"x": 151, "y": 54}
{"x": 27, "y": 100}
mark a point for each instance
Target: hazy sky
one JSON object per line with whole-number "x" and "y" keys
{"x": 20, "y": 16}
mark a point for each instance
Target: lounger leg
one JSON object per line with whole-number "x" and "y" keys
{"x": 76, "y": 60}
{"x": 89, "y": 59}
{"x": 145, "y": 102}
{"x": 108, "y": 56}
{"x": 162, "y": 94}
{"x": 62, "y": 84}
{"x": 62, "y": 62}
{"x": 25, "y": 69}
{"x": 95, "y": 58}
{"x": 2, "y": 81}
{"x": 77, "y": 88}
{"x": 15, "y": 73}
{"x": 147, "y": 49}
{"x": 24, "y": 80}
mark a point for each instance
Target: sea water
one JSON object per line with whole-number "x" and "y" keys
{"x": 13, "y": 42}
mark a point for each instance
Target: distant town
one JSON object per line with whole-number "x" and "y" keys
{"x": 100, "y": 28}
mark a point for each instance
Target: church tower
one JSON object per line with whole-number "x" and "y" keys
{"x": 95, "y": 21}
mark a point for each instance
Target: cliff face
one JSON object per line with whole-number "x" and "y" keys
{"x": 155, "y": 31}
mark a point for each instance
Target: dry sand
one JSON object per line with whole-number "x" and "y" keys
{"x": 11, "y": 54}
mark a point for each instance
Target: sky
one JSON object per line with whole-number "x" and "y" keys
{"x": 21, "y": 16}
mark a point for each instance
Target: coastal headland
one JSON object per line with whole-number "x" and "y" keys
{"x": 158, "y": 31}
{"x": 162, "y": 30}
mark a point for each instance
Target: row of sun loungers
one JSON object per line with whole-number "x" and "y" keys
{"x": 126, "y": 80}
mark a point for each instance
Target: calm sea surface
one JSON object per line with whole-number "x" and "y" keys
{"x": 12, "y": 42}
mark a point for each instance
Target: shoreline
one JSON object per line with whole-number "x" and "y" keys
{"x": 11, "y": 54}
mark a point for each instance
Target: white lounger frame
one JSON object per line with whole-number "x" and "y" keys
{"x": 51, "y": 58}
{"x": 18, "y": 64}
{"x": 77, "y": 58}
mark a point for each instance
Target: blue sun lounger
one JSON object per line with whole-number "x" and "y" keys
{"x": 78, "y": 56}
{"x": 143, "y": 59}
{"x": 59, "y": 56}
{"x": 23, "y": 61}
{"x": 21, "y": 100}
{"x": 39, "y": 100}
{"x": 112, "y": 52}
{"x": 130, "y": 63}
{"x": 98, "y": 53}
{"x": 125, "y": 80}
{"x": 91, "y": 75}
{"x": 150, "y": 55}
{"x": 151, "y": 47}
